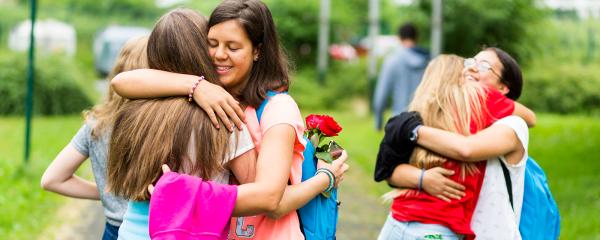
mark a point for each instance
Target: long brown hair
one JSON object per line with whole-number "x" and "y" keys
{"x": 151, "y": 132}
{"x": 271, "y": 70}
{"x": 132, "y": 56}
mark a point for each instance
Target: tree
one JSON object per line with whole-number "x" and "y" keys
{"x": 469, "y": 25}
{"x": 298, "y": 24}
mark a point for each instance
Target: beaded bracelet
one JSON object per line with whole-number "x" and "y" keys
{"x": 421, "y": 179}
{"x": 331, "y": 178}
{"x": 191, "y": 94}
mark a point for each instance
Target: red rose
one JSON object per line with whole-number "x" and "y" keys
{"x": 312, "y": 122}
{"x": 329, "y": 127}
{"x": 326, "y": 124}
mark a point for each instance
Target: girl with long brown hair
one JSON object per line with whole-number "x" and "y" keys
{"x": 247, "y": 56}
{"x": 260, "y": 194}
{"x": 150, "y": 132}
{"x": 92, "y": 141}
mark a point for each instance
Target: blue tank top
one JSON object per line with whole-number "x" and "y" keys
{"x": 135, "y": 221}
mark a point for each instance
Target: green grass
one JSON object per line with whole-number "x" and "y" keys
{"x": 567, "y": 147}
{"x": 26, "y": 208}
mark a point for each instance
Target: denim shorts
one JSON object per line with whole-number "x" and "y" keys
{"x": 395, "y": 230}
{"x": 110, "y": 232}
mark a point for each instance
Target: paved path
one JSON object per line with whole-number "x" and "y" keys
{"x": 362, "y": 214}
{"x": 76, "y": 220}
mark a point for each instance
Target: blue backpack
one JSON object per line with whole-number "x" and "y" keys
{"x": 540, "y": 218}
{"x": 318, "y": 218}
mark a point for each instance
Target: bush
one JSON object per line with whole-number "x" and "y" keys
{"x": 468, "y": 25}
{"x": 562, "y": 78}
{"x": 343, "y": 82}
{"x": 57, "y": 86}
{"x": 297, "y": 24}
{"x": 562, "y": 88}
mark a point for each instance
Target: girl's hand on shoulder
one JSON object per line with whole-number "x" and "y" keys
{"x": 338, "y": 167}
{"x": 436, "y": 183}
{"x": 217, "y": 102}
{"x": 165, "y": 169}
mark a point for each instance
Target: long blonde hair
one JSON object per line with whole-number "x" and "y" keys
{"x": 445, "y": 100}
{"x": 132, "y": 56}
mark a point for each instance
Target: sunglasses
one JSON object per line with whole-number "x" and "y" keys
{"x": 482, "y": 67}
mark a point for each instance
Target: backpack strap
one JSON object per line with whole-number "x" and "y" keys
{"x": 508, "y": 182}
{"x": 259, "y": 113}
{"x": 262, "y": 106}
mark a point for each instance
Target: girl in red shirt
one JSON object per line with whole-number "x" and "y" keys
{"x": 448, "y": 101}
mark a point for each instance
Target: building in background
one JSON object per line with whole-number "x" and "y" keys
{"x": 51, "y": 37}
{"x": 168, "y": 3}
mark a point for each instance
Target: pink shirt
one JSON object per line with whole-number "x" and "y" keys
{"x": 281, "y": 109}
{"x": 183, "y": 207}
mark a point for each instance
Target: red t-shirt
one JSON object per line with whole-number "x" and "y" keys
{"x": 456, "y": 215}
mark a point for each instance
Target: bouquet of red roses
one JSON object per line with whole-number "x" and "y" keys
{"x": 318, "y": 127}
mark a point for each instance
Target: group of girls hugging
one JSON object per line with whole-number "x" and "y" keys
{"x": 189, "y": 108}
{"x": 178, "y": 152}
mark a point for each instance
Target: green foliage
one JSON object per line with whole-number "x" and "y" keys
{"x": 57, "y": 86}
{"x": 343, "y": 82}
{"x": 566, "y": 40}
{"x": 471, "y": 24}
{"x": 562, "y": 78}
{"x": 349, "y": 19}
{"x": 134, "y": 8}
{"x": 298, "y": 25}
{"x": 11, "y": 15}
{"x": 26, "y": 208}
{"x": 562, "y": 88}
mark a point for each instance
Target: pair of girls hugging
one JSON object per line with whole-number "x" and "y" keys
{"x": 263, "y": 158}
{"x": 478, "y": 125}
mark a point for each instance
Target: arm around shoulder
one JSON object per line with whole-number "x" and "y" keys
{"x": 149, "y": 83}
{"x": 493, "y": 141}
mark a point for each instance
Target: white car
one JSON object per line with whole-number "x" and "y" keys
{"x": 108, "y": 44}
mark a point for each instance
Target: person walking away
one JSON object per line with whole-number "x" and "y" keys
{"x": 400, "y": 75}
